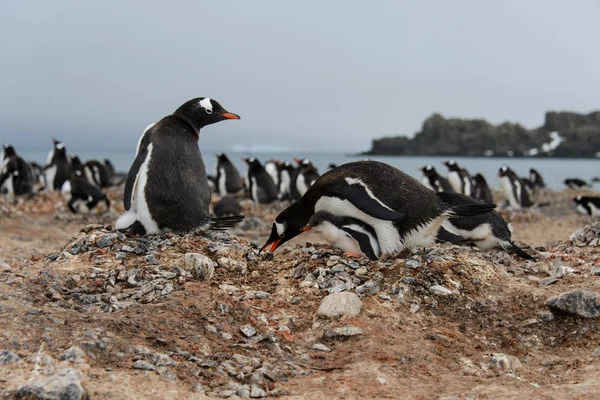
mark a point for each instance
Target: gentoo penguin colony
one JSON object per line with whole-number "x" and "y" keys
{"x": 486, "y": 231}
{"x": 402, "y": 212}
{"x": 434, "y": 181}
{"x": 459, "y": 178}
{"x": 228, "y": 179}
{"x": 260, "y": 184}
{"x": 588, "y": 205}
{"x": 167, "y": 188}
{"x": 58, "y": 169}
{"x": 576, "y": 184}
{"x": 352, "y": 235}
{"x": 513, "y": 189}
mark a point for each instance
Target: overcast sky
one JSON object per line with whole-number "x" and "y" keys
{"x": 311, "y": 75}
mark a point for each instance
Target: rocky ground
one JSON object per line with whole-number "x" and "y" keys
{"x": 91, "y": 312}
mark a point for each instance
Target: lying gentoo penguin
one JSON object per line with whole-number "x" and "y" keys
{"x": 352, "y": 235}
{"x": 576, "y": 184}
{"x": 588, "y": 205}
{"x": 260, "y": 185}
{"x": 15, "y": 174}
{"x": 167, "y": 188}
{"x": 458, "y": 177}
{"x": 58, "y": 169}
{"x": 286, "y": 172}
{"x": 83, "y": 197}
{"x": 228, "y": 179}
{"x": 486, "y": 231}
{"x": 513, "y": 189}
{"x": 227, "y": 207}
{"x": 481, "y": 190}
{"x": 537, "y": 179}
{"x": 434, "y": 181}
{"x": 402, "y": 212}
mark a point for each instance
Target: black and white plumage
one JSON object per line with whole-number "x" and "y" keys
{"x": 588, "y": 205}
{"x": 486, "y": 231}
{"x": 97, "y": 174}
{"x": 167, "y": 188}
{"x": 537, "y": 179}
{"x": 58, "y": 169}
{"x": 459, "y": 178}
{"x": 402, "y": 212}
{"x": 576, "y": 184}
{"x": 271, "y": 168}
{"x": 286, "y": 171}
{"x": 434, "y": 181}
{"x": 83, "y": 197}
{"x": 15, "y": 174}
{"x": 349, "y": 234}
{"x": 39, "y": 180}
{"x": 306, "y": 174}
{"x": 481, "y": 190}
{"x": 513, "y": 189}
{"x": 260, "y": 184}
{"x": 78, "y": 169}
{"x": 227, "y": 207}
{"x": 228, "y": 179}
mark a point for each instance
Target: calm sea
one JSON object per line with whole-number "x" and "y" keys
{"x": 554, "y": 171}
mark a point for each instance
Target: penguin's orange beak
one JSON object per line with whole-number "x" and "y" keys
{"x": 421, "y": 169}
{"x": 306, "y": 228}
{"x": 244, "y": 159}
{"x": 273, "y": 247}
{"x": 445, "y": 162}
{"x": 230, "y": 116}
{"x": 298, "y": 160}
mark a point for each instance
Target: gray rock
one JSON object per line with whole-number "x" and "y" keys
{"x": 226, "y": 393}
{"x": 245, "y": 360}
{"x": 248, "y": 331}
{"x": 343, "y": 304}
{"x": 368, "y": 287}
{"x": 211, "y": 328}
{"x": 162, "y": 360}
{"x": 440, "y": 290}
{"x": 412, "y": 263}
{"x": 582, "y": 302}
{"x": 548, "y": 281}
{"x": 299, "y": 271}
{"x": 105, "y": 241}
{"x": 338, "y": 268}
{"x": 42, "y": 359}
{"x": 4, "y": 267}
{"x": 127, "y": 249}
{"x": 142, "y": 350}
{"x": 144, "y": 365}
{"x": 596, "y": 271}
{"x": 229, "y": 289}
{"x": 200, "y": 266}
{"x": 8, "y": 357}
{"x": 198, "y": 388}
{"x": 343, "y": 332}
{"x": 73, "y": 353}
{"x": 65, "y": 384}
{"x": 257, "y": 392}
{"x": 243, "y": 391}
{"x": 262, "y": 295}
{"x": 320, "y": 347}
{"x": 168, "y": 289}
{"x": 226, "y": 336}
{"x": 120, "y": 255}
{"x": 505, "y": 362}
{"x": 165, "y": 373}
{"x": 240, "y": 266}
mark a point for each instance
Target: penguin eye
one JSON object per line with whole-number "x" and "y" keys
{"x": 208, "y": 111}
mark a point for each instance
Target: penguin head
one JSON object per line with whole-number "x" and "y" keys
{"x": 451, "y": 164}
{"x": 503, "y": 171}
{"x": 288, "y": 224}
{"x": 320, "y": 221}
{"x": 203, "y": 111}
{"x": 59, "y": 149}
{"x": 75, "y": 161}
{"x": 8, "y": 151}
{"x": 252, "y": 162}
{"x": 428, "y": 170}
{"x": 577, "y": 199}
{"x": 222, "y": 158}
{"x": 303, "y": 162}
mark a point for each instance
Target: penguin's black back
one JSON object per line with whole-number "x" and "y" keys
{"x": 266, "y": 190}
{"x": 481, "y": 190}
{"x": 63, "y": 170}
{"x": 23, "y": 179}
{"x": 233, "y": 182}
{"x": 103, "y": 174}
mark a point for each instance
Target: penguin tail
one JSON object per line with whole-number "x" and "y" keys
{"x": 224, "y": 223}
{"x": 469, "y": 210}
{"x": 542, "y": 204}
{"x": 445, "y": 236}
{"x": 513, "y": 248}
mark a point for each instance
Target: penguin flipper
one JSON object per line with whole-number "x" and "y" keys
{"x": 445, "y": 236}
{"x": 363, "y": 200}
{"x": 135, "y": 170}
{"x": 513, "y": 248}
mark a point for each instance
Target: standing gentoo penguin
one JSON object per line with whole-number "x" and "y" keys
{"x": 434, "y": 181}
{"x": 459, "y": 178}
{"x": 97, "y": 174}
{"x": 286, "y": 171}
{"x": 481, "y": 190}
{"x": 260, "y": 185}
{"x": 576, "y": 184}
{"x": 167, "y": 188}
{"x": 78, "y": 169}
{"x": 82, "y": 196}
{"x": 486, "y": 231}
{"x": 227, "y": 207}
{"x": 402, "y": 212}
{"x": 306, "y": 175}
{"x": 513, "y": 189}
{"x": 58, "y": 169}
{"x": 349, "y": 234}
{"x": 228, "y": 179}
{"x": 273, "y": 171}
{"x": 537, "y": 179}
{"x": 15, "y": 173}
{"x": 588, "y": 205}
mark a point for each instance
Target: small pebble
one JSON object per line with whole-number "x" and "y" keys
{"x": 440, "y": 290}
{"x": 144, "y": 365}
{"x": 248, "y": 331}
{"x": 320, "y": 347}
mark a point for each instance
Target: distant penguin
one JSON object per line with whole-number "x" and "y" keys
{"x": 459, "y": 178}
{"x": 167, "y": 188}
{"x": 486, "y": 231}
{"x": 110, "y": 169}
{"x": 481, "y": 190}
{"x": 78, "y": 169}
{"x": 212, "y": 183}
{"x": 588, "y": 205}
{"x": 306, "y": 175}
{"x": 115, "y": 178}
{"x": 227, "y": 207}
{"x": 513, "y": 189}
{"x": 537, "y": 179}
{"x": 83, "y": 197}
{"x": 331, "y": 166}
{"x": 58, "y": 169}
{"x": 434, "y": 181}
{"x": 15, "y": 173}
{"x": 271, "y": 168}
{"x": 286, "y": 171}
{"x": 97, "y": 174}
{"x": 260, "y": 185}
{"x": 402, "y": 212}
{"x": 39, "y": 181}
{"x": 352, "y": 235}
{"x": 228, "y": 179}
{"x": 576, "y": 184}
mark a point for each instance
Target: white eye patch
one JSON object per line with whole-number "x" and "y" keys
{"x": 60, "y": 146}
{"x": 280, "y": 228}
{"x": 206, "y": 104}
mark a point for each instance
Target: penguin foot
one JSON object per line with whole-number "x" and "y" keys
{"x": 354, "y": 255}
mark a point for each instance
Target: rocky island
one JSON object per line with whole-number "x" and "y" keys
{"x": 564, "y": 134}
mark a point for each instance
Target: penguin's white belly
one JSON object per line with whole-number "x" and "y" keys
{"x": 222, "y": 181}
{"x": 481, "y": 236}
{"x": 284, "y": 185}
{"x": 468, "y": 186}
{"x": 339, "y": 238}
{"x": 507, "y": 189}
{"x": 595, "y": 210}
{"x": 50, "y": 175}
{"x": 9, "y": 186}
{"x": 455, "y": 181}
{"x": 387, "y": 234}
{"x": 301, "y": 184}
{"x": 65, "y": 190}
{"x": 254, "y": 190}
{"x": 426, "y": 183}
{"x": 143, "y": 212}
{"x": 582, "y": 210}
{"x": 272, "y": 171}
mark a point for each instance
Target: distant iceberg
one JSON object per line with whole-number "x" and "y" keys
{"x": 555, "y": 141}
